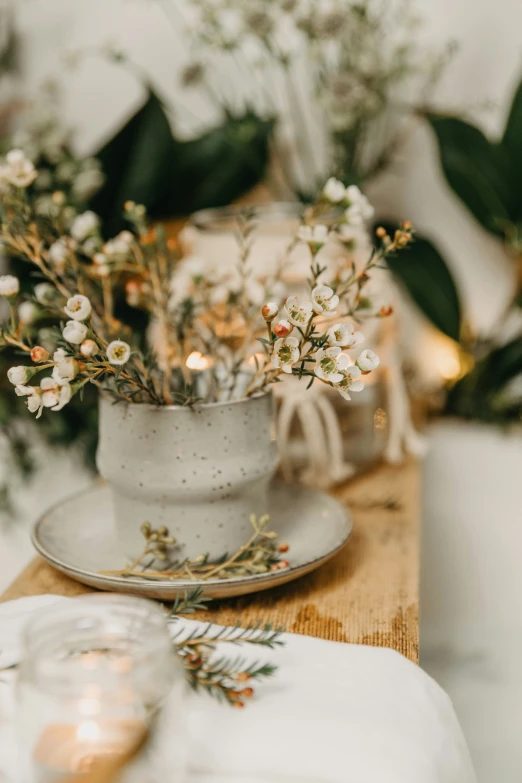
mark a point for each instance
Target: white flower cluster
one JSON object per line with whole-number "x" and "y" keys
{"x": 358, "y": 209}
{"x": 332, "y": 366}
{"x": 17, "y": 170}
{"x": 56, "y": 391}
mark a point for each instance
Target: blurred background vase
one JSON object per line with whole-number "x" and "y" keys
{"x": 471, "y": 584}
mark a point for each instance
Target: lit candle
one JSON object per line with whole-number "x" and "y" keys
{"x": 199, "y": 366}
{"x": 65, "y": 749}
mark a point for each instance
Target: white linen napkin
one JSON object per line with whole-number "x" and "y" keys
{"x": 333, "y": 713}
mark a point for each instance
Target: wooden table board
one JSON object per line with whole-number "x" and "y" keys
{"x": 368, "y": 594}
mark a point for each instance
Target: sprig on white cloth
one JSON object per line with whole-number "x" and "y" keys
{"x": 335, "y": 713}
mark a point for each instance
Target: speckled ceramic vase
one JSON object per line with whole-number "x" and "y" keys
{"x": 200, "y": 471}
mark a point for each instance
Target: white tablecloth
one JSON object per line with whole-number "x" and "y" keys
{"x": 334, "y": 713}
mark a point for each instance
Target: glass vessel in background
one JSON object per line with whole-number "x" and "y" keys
{"x": 98, "y": 674}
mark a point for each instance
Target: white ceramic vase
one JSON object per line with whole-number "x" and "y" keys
{"x": 201, "y": 471}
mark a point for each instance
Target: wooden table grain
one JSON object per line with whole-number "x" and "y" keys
{"x": 368, "y": 594}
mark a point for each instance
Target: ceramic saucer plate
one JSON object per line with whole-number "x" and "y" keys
{"x": 77, "y": 537}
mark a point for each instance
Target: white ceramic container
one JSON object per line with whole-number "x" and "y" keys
{"x": 201, "y": 471}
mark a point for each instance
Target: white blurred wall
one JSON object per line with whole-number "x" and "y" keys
{"x": 99, "y": 95}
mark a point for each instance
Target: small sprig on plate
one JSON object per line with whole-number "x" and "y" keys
{"x": 259, "y": 555}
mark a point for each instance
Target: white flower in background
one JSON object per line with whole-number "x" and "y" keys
{"x": 74, "y": 332}
{"x": 91, "y": 246}
{"x": 120, "y": 245}
{"x": 19, "y": 375}
{"x": 87, "y": 182}
{"x": 9, "y": 285}
{"x": 58, "y": 254}
{"x": 56, "y": 393}
{"x": 229, "y": 24}
{"x": 85, "y": 225}
{"x": 65, "y": 367}
{"x": 28, "y": 313}
{"x": 269, "y": 311}
{"x": 118, "y": 352}
{"x": 18, "y": 170}
{"x": 286, "y": 353}
{"x": 368, "y": 361}
{"x": 343, "y": 335}
{"x": 314, "y": 236}
{"x": 282, "y": 328}
{"x": 330, "y": 363}
{"x": 351, "y": 382}
{"x": 34, "y": 398}
{"x": 44, "y": 293}
{"x": 88, "y": 348}
{"x": 299, "y": 312}
{"x": 324, "y": 300}
{"x": 334, "y": 191}
{"x": 78, "y": 307}
{"x": 65, "y": 171}
{"x": 359, "y": 208}
{"x": 353, "y": 236}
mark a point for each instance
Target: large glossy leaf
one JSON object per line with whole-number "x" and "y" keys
{"x": 219, "y": 166}
{"x": 138, "y": 163}
{"x": 512, "y": 144}
{"x": 424, "y": 274}
{"x": 143, "y": 162}
{"x": 477, "y": 170}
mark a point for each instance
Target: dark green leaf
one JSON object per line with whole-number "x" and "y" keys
{"x": 501, "y": 366}
{"x": 477, "y": 170}
{"x": 138, "y": 163}
{"x": 221, "y": 165}
{"x": 425, "y": 275}
{"x": 143, "y": 162}
{"x": 512, "y": 144}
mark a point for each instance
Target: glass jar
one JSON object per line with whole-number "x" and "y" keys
{"x": 98, "y": 673}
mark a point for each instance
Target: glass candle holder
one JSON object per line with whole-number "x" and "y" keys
{"x": 98, "y": 673}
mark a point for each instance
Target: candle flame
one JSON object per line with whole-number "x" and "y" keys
{"x": 88, "y": 731}
{"x": 196, "y": 361}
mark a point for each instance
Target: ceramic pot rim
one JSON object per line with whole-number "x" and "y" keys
{"x": 198, "y": 405}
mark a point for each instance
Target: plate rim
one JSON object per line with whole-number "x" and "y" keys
{"x": 175, "y": 586}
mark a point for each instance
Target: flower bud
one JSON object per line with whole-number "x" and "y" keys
{"x": 269, "y": 311}
{"x": 368, "y": 361}
{"x": 88, "y": 348}
{"x": 283, "y": 328}
{"x": 39, "y": 354}
{"x": 385, "y": 311}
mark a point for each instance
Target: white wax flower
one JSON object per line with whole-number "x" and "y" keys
{"x": 120, "y": 245}
{"x": 74, "y": 332}
{"x": 44, "y": 293}
{"x": 56, "y": 393}
{"x": 368, "y": 361}
{"x": 315, "y": 236}
{"x": 87, "y": 182}
{"x": 324, "y": 300}
{"x": 85, "y": 225}
{"x": 334, "y": 191}
{"x": 350, "y": 382}
{"x": 299, "y": 312}
{"x": 269, "y": 311}
{"x": 282, "y": 328}
{"x": 88, "y": 348}
{"x": 9, "y": 285}
{"x": 78, "y": 308}
{"x": 28, "y": 312}
{"x": 118, "y": 352}
{"x": 65, "y": 367}
{"x": 285, "y": 353}
{"x": 359, "y": 208}
{"x": 34, "y": 398}
{"x": 58, "y": 254}
{"x": 19, "y": 375}
{"x": 18, "y": 169}
{"x": 344, "y": 335}
{"x": 329, "y": 364}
